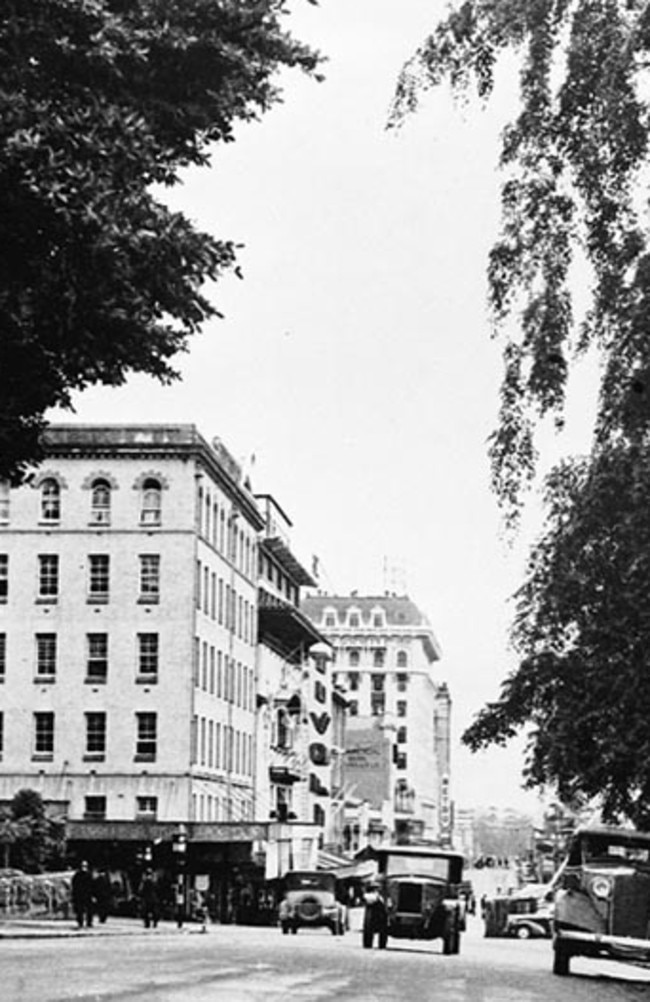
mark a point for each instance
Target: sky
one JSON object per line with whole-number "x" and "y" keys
{"x": 354, "y": 374}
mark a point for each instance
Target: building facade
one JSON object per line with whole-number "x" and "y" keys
{"x": 156, "y": 683}
{"x": 397, "y": 772}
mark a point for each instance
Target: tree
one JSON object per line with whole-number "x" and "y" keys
{"x": 100, "y": 101}
{"x": 574, "y": 163}
{"x": 37, "y": 840}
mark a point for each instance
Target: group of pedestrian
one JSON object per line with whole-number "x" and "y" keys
{"x": 91, "y": 892}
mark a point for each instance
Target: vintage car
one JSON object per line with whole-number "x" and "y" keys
{"x": 524, "y": 914}
{"x": 602, "y": 905}
{"x": 310, "y": 902}
{"x": 419, "y": 889}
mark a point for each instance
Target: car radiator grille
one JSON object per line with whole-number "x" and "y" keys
{"x": 631, "y": 906}
{"x": 409, "y": 898}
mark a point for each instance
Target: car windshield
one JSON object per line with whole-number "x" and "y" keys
{"x": 421, "y": 866}
{"x": 603, "y": 849}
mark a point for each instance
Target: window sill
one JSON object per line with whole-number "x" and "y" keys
{"x": 149, "y": 600}
{"x": 144, "y": 758}
{"x": 94, "y": 757}
{"x": 97, "y": 600}
{"x": 47, "y": 600}
{"x": 95, "y": 680}
{"x": 44, "y": 679}
{"x": 146, "y": 680}
{"x": 43, "y": 757}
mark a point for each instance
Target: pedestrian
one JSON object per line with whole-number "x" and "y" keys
{"x": 149, "y": 899}
{"x": 102, "y": 895}
{"x": 82, "y": 895}
{"x": 375, "y": 916}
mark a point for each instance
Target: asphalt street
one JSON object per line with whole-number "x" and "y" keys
{"x": 240, "y": 964}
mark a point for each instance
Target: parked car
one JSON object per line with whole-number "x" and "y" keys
{"x": 310, "y": 902}
{"x": 419, "y": 886}
{"x": 602, "y": 906}
{"x": 525, "y": 913}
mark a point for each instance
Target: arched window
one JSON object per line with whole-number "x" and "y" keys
{"x": 100, "y": 502}
{"x": 151, "y": 502}
{"x": 50, "y": 500}
{"x": 402, "y": 659}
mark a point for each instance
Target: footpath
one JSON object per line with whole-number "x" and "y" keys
{"x": 42, "y": 928}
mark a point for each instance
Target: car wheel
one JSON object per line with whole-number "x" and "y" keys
{"x": 561, "y": 959}
{"x": 523, "y": 932}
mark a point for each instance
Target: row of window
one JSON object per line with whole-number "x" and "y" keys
{"x": 100, "y": 502}
{"x": 46, "y": 657}
{"x": 221, "y": 676}
{"x": 377, "y": 681}
{"x": 221, "y": 603}
{"x": 354, "y": 619}
{"x": 377, "y": 706}
{"x": 217, "y": 524}
{"x": 98, "y": 577}
{"x": 217, "y": 746}
{"x": 378, "y": 658}
{"x": 205, "y": 807}
{"x": 95, "y": 736}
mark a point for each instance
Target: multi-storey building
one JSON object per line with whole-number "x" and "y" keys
{"x": 398, "y": 740}
{"x": 148, "y": 616}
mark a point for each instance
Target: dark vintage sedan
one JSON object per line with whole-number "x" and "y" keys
{"x": 310, "y": 902}
{"x": 602, "y": 905}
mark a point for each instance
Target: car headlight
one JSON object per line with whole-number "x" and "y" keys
{"x": 601, "y": 887}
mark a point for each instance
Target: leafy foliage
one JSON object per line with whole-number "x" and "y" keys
{"x": 100, "y": 100}
{"x": 29, "y": 839}
{"x": 575, "y": 166}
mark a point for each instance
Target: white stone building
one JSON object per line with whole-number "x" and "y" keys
{"x": 398, "y": 740}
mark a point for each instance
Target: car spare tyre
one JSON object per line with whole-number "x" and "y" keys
{"x": 309, "y": 909}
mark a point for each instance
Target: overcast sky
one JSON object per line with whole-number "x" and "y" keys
{"x": 355, "y": 361}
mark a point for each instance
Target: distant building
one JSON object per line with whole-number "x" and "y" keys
{"x": 397, "y": 775}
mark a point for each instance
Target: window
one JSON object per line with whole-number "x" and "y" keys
{"x": 377, "y": 703}
{"x": 4, "y": 501}
{"x": 354, "y": 658}
{"x": 146, "y": 807}
{"x": 97, "y": 657}
{"x": 402, "y": 659}
{"x": 3, "y": 656}
{"x": 401, "y": 707}
{"x": 95, "y": 736}
{"x": 100, "y": 503}
{"x": 320, "y": 692}
{"x": 150, "y": 513}
{"x": 401, "y": 735}
{"x": 379, "y": 657}
{"x": 330, "y": 619}
{"x": 50, "y": 500}
{"x": 378, "y": 620}
{"x": 149, "y": 577}
{"x": 95, "y": 808}
{"x": 353, "y": 708}
{"x": 354, "y": 621}
{"x": 43, "y": 735}
{"x": 148, "y": 656}
{"x": 402, "y": 680}
{"x": 145, "y": 747}
{"x": 377, "y": 683}
{"x": 401, "y": 760}
{"x": 2, "y": 733}
{"x": 99, "y": 573}
{"x": 45, "y": 656}
{"x": 4, "y": 577}
{"x": 353, "y": 680}
{"x": 48, "y": 576}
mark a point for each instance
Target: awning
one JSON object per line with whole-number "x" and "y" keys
{"x": 331, "y": 861}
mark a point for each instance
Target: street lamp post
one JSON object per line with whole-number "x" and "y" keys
{"x": 179, "y": 850}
